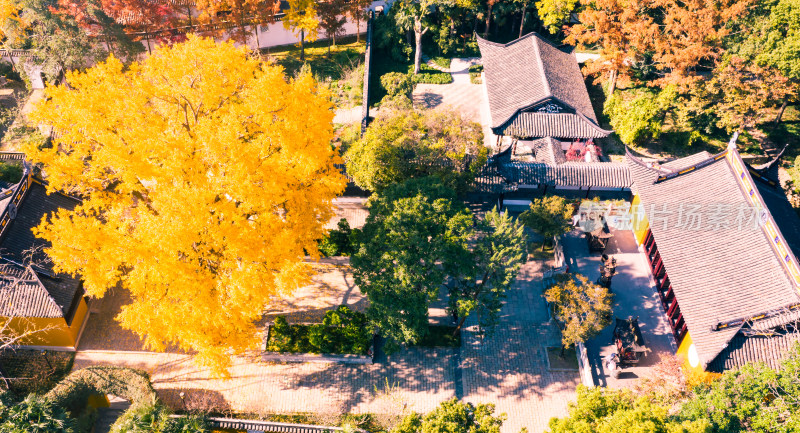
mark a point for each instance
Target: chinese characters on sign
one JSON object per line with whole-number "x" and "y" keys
{"x": 687, "y": 216}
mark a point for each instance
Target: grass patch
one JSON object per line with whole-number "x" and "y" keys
{"x": 35, "y": 371}
{"x": 325, "y": 62}
{"x": 556, "y": 362}
{"x": 535, "y": 251}
{"x": 442, "y": 62}
{"x": 342, "y": 331}
{"x": 440, "y": 336}
{"x": 475, "y": 74}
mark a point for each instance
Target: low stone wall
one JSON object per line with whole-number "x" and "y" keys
{"x": 583, "y": 365}
{"x": 313, "y": 357}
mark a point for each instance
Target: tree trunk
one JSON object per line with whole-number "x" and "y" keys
{"x": 780, "y": 113}
{"x": 189, "y": 14}
{"x": 255, "y": 33}
{"x": 147, "y": 39}
{"x": 522, "y": 21}
{"x": 488, "y": 21}
{"x": 418, "y": 32}
{"x": 358, "y": 29}
{"x": 563, "y": 349}
{"x": 458, "y": 327}
{"x": 302, "y": 45}
{"x": 613, "y": 83}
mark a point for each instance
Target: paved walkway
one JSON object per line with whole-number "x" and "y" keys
{"x": 508, "y": 368}
{"x": 467, "y": 98}
{"x": 634, "y": 295}
{"x": 460, "y": 95}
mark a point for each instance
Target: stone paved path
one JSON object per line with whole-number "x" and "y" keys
{"x": 634, "y": 295}
{"x": 507, "y": 368}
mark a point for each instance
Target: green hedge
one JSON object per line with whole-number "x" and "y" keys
{"x": 155, "y": 418}
{"x": 475, "y": 74}
{"x": 429, "y": 75}
{"x": 342, "y": 331}
{"x": 73, "y": 392}
{"x": 341, "y": 241}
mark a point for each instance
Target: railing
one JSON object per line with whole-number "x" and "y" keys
{"x": 10, "y": 211}
{"x": 276, "y": 427}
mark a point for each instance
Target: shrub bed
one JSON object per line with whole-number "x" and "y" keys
{"x": 342, "y": 331}
{"x": 440, "y": 336}
{"x": 341, "y": 241}
{"x": 74, "y": 391}
{"x": 34, "y": 371}
{"x": 428, "y": 75}
{"x": 475, "y": 74}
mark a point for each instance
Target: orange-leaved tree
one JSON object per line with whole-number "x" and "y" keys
{"x": 205, "y": 175}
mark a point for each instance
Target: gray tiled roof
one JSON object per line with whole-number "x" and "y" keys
{"x": 23, "y": 295}
{"x": 528, "y": 71}
{"x": 548, "y": 150}
{"x": 17, "y": 242}
{"x": 585, "y": 174}
{"x": 566, "y": 125}
{"x": 688, "y": 161}
{"x": 753, "y": 348}
{"x": 717, "y": 273}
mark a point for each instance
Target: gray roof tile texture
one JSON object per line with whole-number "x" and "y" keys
{"x": 716, "y": 275}
{"x": 16, "y": 242}
{"x": 528, "y": 70}
{"x": 564, "y": 125}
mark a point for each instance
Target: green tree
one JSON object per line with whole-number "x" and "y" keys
{"x": 34, "y": 415}
{"x": 775, "y": 40}
{"x": 555, "y": 13}
{"x": 55, "y": 38}
{"x": 408, "y": 144}
{"x": 484, "y": 267}
{"x": 754, "y": 398}
{"x": 414, "y": 15}
{"x": 638, "y": 115}
{"x": 582, "y": 308}
{"x": 410, "y": 227}
{"x": 549, "y": 216}
{"x": 603, "y": 410}
{"x": 453, "y": 416}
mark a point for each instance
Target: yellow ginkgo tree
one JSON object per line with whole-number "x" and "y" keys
{"x": 205, "y": 176}
{"x": 302, "y": 18}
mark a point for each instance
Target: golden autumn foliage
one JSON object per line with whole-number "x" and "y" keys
{"x": 205, "y": 175}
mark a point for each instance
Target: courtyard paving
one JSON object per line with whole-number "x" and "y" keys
{"x": 507, "y": 368}
{"x": 634, "y": 295}
{"x": 460, "y": 95}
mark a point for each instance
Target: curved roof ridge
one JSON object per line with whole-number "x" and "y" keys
{"x": 637, "y": 160}
{"x": 520, "y": 39}
{"x": 690, "y": 168}
{"x": 593, "y": 124}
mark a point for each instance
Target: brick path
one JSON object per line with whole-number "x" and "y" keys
{"x": 634, "y": 295}
{"x": 507, "y": 369}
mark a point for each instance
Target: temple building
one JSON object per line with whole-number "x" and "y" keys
{"x": 722, "y": 243}
{"x": 536, "y": 91}
{"x": 48, "y": 308}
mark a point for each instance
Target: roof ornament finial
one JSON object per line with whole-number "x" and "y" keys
{"x": 732, "y": 143}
